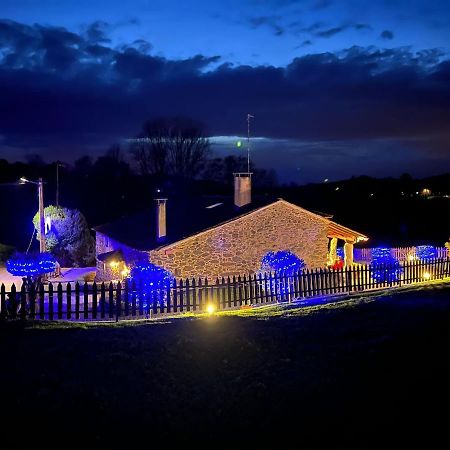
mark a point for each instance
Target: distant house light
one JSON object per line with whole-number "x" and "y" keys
{"x": 214, "y": 205}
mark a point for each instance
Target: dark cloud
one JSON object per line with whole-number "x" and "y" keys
{"x": 336, "y": 30}
{"x": 387, "y": 34}
{"x": 331, "y": 31}
{"x": 272, "y": 22}
{"x": 66, "y": 92}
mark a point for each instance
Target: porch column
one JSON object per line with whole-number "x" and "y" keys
{"x": 332, "y": 256}
{"x": 348, "y": 252}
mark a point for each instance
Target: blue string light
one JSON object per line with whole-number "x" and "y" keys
{"x": 283, "y": 263}
{"x": 31, "y": 265}
{"x": 426, "y": 252}
{"x": 385, "y": 267}
{"x": 151, "y": 281}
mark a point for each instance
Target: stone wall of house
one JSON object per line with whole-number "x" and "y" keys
{"x": 237, "y": 247}
{"x": 104, "y": 244}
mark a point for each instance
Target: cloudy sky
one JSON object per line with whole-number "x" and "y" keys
{"x": 337, "y": 87}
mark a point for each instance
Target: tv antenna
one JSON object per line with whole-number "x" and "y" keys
{"x": 249, "y": 116}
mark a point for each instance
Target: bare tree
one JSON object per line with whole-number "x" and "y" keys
{"x": 175, "y": 146}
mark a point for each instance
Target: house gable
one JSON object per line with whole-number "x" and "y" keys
{"x": 237, "y": 246}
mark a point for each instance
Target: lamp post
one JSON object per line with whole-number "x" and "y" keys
{"x": 40, "y": 185}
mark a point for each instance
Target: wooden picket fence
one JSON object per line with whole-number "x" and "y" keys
{"x": 400, "y": 253}
{"x": 113, "y": 302}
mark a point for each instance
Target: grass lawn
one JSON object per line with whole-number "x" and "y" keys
{"x": 368, "y": 373}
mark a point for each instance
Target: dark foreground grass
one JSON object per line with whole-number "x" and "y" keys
{"x": 366, "y": 374}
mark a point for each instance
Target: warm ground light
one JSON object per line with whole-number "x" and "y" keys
{"x": 366, "y": 372}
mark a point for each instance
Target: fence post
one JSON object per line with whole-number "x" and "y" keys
{"x": 77, "y": 300}
{"x": 50, "y": 301}
{"x": 118, "y": 300}
{"x": 194, "y": 295}
{"x": 69, "y": 300}
{"x": 175, "y": 296}
{"x": 126, "y": 298}
{"x": 102, "y": 300}
{"x": 229, "y": 292}
{"x": 85, "y": 301}
{"x": 60, "y": 299}
{"x": 32, "y": 301}
{"x": 206, "y": 296}
{"x": 234, "y": 292}
{"x": 244, "y": 289}
{"x": 181, "y": 295}
{"x": 2, "y": 302}
{"x": 223, "y": 292}
{"x": 188, "y": 296}
{"x": 23, "y": 301}
{"x": 168, "y": 297}
{"x": 110, "y": 300}
{"x": 94, "y": 300}
{"x": 133, "y": 297}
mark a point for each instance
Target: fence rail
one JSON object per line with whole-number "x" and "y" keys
{"x": 400, "y": 253}
{"x": 113, "y": 302}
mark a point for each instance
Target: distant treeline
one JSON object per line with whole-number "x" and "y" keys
{"x": 392, "y": 211}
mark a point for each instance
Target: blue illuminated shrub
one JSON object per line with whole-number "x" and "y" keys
{"x": 151, "y": 282}
{"x": 282, "y": 262}
{"x": 285, "y": 264}
{"x": 340, "y": 252}
{"x": 426, "y": 252}
{"x": 31, "y": 265}
{"x": 385, "y": 267}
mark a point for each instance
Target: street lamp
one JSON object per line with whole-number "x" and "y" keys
{"x": 40, "y": 185}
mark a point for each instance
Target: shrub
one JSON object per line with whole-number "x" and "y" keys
{"x": 385, "y": 267}
{"x": 69, "y": 238}
{"x": 151, "y": 280}
{"x": 282, "y": 262}
{"x": 426, "y": 252}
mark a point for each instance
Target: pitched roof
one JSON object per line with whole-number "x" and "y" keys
{"x": 184, "y": 218}
{"x": 341, "y": 232}
{"x": 188, "y": 218}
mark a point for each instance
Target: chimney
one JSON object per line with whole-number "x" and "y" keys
{"x": 242, "y": 189}
{"x": 161, "y": 220}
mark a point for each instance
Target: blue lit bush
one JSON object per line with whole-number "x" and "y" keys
{"x": 31, "y": 266}
{"x": 151, "y": 283}
{"x": 284, "y": 264}
{"x": 385, "y": 267}
{"x": 340, "y": 252}
{"x": 426, "y": 252}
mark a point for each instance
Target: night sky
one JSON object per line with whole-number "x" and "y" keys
{"x": 337, "y": 87}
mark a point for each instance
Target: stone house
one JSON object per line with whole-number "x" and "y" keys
{"x": 219, "y": 237}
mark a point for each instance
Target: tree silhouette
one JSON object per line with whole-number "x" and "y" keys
{"x": 171, "y": 146}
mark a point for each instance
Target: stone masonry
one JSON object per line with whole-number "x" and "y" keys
{"x": 238, "y": 246}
